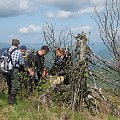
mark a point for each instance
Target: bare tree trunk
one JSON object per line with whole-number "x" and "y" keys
{"x": 83, "y": 55}
{"x": 81, "y": 84}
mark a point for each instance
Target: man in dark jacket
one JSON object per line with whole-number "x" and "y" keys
{"x": 35, "y": 66}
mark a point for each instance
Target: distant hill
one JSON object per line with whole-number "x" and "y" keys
{"x": 35, "y": 46}
{"x": 100, "y": 49}
{"x": 97, "y": 46}
{"x": 105, "y": 54}
{"x": 2, "y": 51}
{"x": 4, "y": 45}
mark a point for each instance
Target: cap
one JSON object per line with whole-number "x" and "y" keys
{"x": 23, "y": 47}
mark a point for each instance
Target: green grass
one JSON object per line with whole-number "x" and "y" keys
{"x": 112, "y": 118}
{"x": 21, "y": 110}
{"x": 27, "y": 109}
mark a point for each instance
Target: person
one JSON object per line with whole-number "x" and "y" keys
{"x": 22, "y": 72}
{"x": 12, "y": 79}
{"x": 35, "y": 66}
{"x": 23, "y": 49}
{"x": 60, "y": 64}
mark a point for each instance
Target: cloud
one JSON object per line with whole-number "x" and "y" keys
{"x": 11, "y": 36}
{"x": 62, "y": 14}
{"x": 85, "y": 29}
{"x": 98, "y": 2}
{"x": 65, "y": 14}
{"x": 59, "y": 14}
{"x": 10, "y": 8}
{"x": 66, "y": 8}
{"x": 66, "y": 5}
{"x": 50, "y": 15}
{"x": 86, "y": 10}
{"x": 31, "y": 29}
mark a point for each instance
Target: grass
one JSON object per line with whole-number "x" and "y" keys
{"x": 27, "y": 110}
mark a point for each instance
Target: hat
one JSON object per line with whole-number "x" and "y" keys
{"x": 23, "y": 47}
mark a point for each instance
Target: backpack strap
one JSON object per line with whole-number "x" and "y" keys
{"x": 33, "y": 58}
{"x": 11, "y": 54}
{"x": 13, "y": 50}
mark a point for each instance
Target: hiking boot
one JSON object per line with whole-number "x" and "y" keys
{"x": 11, "y": 99}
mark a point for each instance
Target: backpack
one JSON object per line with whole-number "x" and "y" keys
{"x": 6, "y": 64}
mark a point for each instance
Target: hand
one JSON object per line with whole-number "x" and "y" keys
{"x": 45, "y": 73}
{"x": 32, "y": 73}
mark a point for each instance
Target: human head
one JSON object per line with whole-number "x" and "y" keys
{"x": 44, "y": 50}
{"x": 15, "y": 42}
{"x": 23, "y": 49}
{"x": 60, "y": 52}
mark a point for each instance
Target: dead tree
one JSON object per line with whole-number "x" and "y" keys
{"x": 82, "y": 76}
{"x": 80, "y": 83}
{"x": 77, "y": 71}
{"x": 109, "y": 24}
{"x": 54, "y": 38}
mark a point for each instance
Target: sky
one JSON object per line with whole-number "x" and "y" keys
{"x": 24, "y": 19}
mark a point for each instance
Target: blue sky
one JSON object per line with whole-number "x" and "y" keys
{"x": 24, "y": 19}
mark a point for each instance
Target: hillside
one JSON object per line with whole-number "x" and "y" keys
{"x": 30, "y": 109}
{"x": 2, "y": 51}
{"x": 105, "y": 54}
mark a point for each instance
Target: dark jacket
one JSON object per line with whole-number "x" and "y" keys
{"x": 59, "y": 66}
{"x": 35, "y": 61}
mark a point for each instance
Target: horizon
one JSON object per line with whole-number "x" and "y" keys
{"x": 96, "y": 46}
